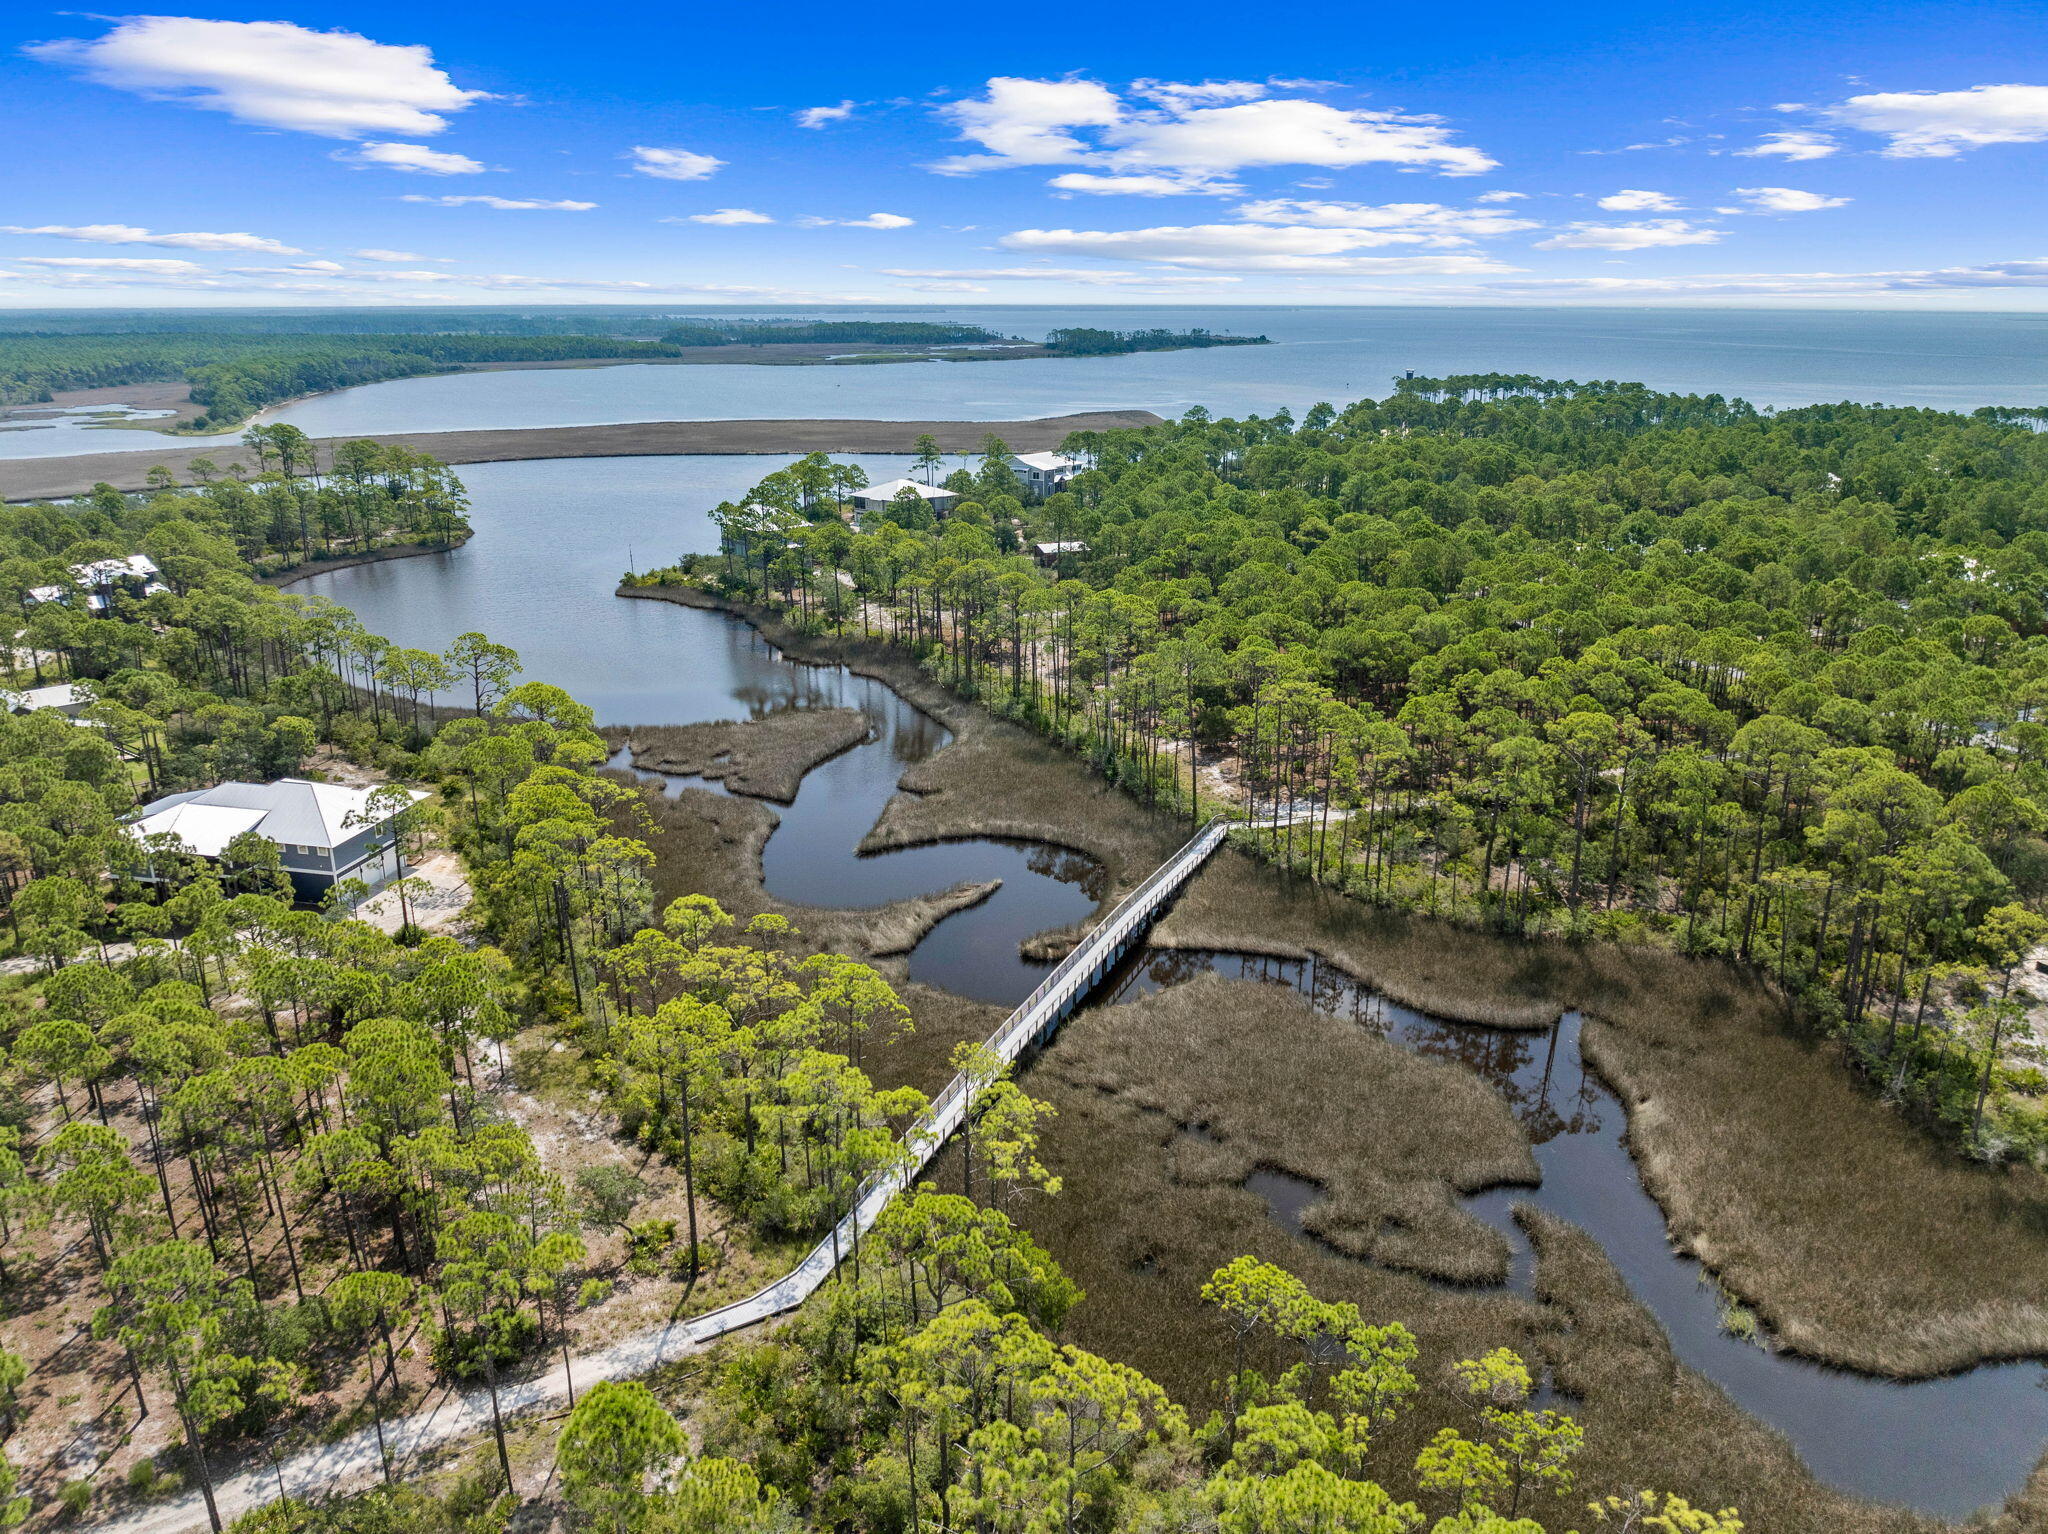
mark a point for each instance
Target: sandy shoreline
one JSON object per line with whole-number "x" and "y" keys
{"x": 30, "y": 479}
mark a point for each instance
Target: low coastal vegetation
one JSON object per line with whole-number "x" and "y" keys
{"x": 235, "y": 370}
{"x": 1083, "y": 341}
{"x": 1546, "y": 658}
{"x": 233, "y": 376}
{"x": 748, "y": 332}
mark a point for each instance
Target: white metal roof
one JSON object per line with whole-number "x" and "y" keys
{"x": 291, "y": 811}
{"x": 204, "y": 828}
{"x": 1046, "y": 463}
{"x": 888, "y": 490}
{"x": 56, "y": 695}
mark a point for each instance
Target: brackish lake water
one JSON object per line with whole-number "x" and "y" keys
{"x": 552, "y": 539}
{"x": 1949, "y": 361}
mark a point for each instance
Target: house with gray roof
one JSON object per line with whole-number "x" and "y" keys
{"x": 323, "y": 831}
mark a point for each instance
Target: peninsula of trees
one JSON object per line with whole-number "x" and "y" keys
{"x": 1550, "y": 657}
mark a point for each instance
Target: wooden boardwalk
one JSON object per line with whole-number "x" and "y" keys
{"x": 357, "y": 1460}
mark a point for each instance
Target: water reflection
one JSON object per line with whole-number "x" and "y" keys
{"x": 552, "y": 538}
{"x": 1946, "y": 1446}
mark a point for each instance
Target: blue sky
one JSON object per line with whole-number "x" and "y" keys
{"x": 1865, "y": 155}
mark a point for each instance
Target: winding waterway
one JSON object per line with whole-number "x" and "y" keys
{"x": 552, "y": 539}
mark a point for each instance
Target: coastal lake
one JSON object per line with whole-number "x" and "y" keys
{"x": 1945, "y": 361}
{"x": 552, "y": 539}
{"x": 1948, "y": 361}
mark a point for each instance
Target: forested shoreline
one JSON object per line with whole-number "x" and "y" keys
{"x": 233, "y": 376}
{"x": 1558, "y": 658}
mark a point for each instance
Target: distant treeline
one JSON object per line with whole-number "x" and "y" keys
{"x": 233, "y": 377}
{"x": 840, "y": 332}
{"x": 1079, "y": 341}
{"x": 640, "y": 323}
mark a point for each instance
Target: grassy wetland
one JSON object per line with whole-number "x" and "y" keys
{"x": 1175, "y": 1104}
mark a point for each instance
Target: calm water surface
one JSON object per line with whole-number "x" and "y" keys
{"x": 1952, "y": 361}
{"x": 552, "y": 539}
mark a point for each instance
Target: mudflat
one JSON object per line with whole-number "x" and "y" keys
{"x": 35, "y": 479}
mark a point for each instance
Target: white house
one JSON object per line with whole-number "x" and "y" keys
{"x": 875, "y": 497}
{"x": 67, "y": 698}
{"x": 1043, "y": 473}
{"x": 136, "y": 576}
{"x": 320, "y": 829}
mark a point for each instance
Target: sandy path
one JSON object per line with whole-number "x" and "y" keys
{"x": 30, "y": 479}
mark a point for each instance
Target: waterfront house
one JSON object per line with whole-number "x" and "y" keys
{"x": 875, "y": 497}
{"x": 320, "y": 829}
{"x": 1041, "y": 474}
{"x": 135, "y": 576}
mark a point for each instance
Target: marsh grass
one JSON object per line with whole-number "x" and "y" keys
{"x": 1852, "y": 1236}
{"x": 765, "y": 758}
{"x": 1392, "y": 1137}
{"x": 708, "y": 844}
{"x": 1150, "y": 1210}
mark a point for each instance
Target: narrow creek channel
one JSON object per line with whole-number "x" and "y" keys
{"x": 552, "y": 538}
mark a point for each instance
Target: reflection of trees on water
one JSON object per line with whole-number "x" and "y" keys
{"x": 1540, "y": 1074}
{"x": 1069, "y": 867}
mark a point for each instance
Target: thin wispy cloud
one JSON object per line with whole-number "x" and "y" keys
{"x": 1652, "y": 234}
{"x": 130, "y": 234}
{"x": 672, "y": 164}
{"x": 417, "y": 159}
{"x": 503, "y": 204}
{"x": 820, "y": 117}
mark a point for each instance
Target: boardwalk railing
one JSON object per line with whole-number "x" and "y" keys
{"x": 366, "y": 1453}
{"x": 1055, "y": 996}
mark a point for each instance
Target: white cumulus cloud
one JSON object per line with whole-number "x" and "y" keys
{"x": 1939, "y": 124}
{"x": 1190, "y": 131}
{"x": 1030, "y": 122}
{"x": 881, "y": 221}
{"x": 415, "y": 158}
{"x": 401, "y": 256}
{"x": 1630, "y": 201}
{"x": 723, "y": 216}
{"x": 1291, "y": 132}
{"x": 1501, "y": 197}
{"x": 129, "y": 234}
{"x": 271, "y": 74}
{"x": 1785, "y": 199}
{"x": 818, "y": 117}
{"x": 1793, "y": 144}
{"x": 1652, "y": 234}
{"x": 672, "y": 164}
{"x": 503, "y": 204}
